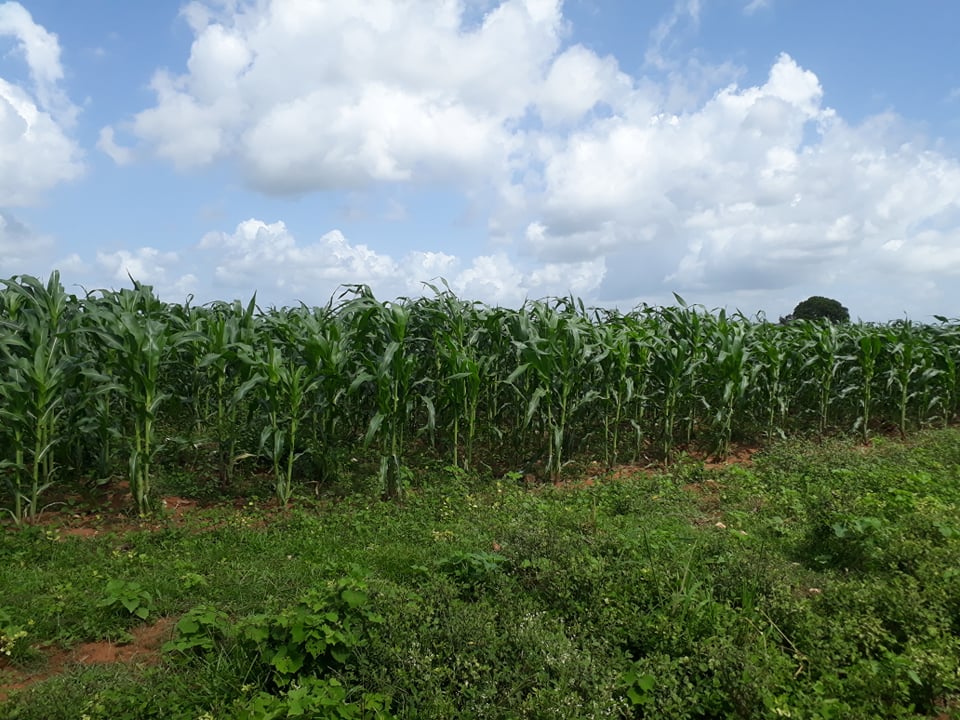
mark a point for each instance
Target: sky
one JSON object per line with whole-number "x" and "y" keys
{"x": 744, "y": 154}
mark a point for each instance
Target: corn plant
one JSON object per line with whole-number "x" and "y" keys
{"x": 945, "y": 343}
{"x": 615, "y": 385}
{"x": 142, "y": 337}
{"x": 97, "y": 410}
{"x": 228, "y": 335}
{"x": 674, "y": 362}
{"x": 778, "y": 349}
{"x": 322, "y": 342}
{"x": 497, "y": 351}
{"x": 622, "y": 377}
{"x": 385, "y": 358}
{"x": 38, "y": 373}
{"x": 822, "y": 348}
{"x": 555, "y": 346}
{"x": 735, "y": 372}
{"x": 905, "y": 368}
{"x": 285, "y": 389}
{"x": 929, "y": 373}
{"x": 641, "y": 338}
{"x": 456, "y": 336}
{"x": 83, "y": 381}
{"x": 868, "y": 351}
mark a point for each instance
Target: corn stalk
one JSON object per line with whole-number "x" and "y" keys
{"x": 39, "y": 369}
{"x": 141, "y": 338}
{"x": 555, "y": 348}
{"x": 386, "y": 362}
{"x": 285, "y": 390}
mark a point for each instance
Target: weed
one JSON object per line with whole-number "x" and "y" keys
{"x": 128, "y": 595}
{"x": 14, "y": 644}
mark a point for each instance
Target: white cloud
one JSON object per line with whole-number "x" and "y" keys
{"x": 22, "y": 251}
{"x": 41, "y": 51}
{"x": 35, "y": 151}
{"x": 579, "y": 278}
{"x": 759, "y": 188}
{"x": 686, "y": 179}
{"x": 268, "y": 257}
{"x": 73, "y": 265}
{"x": 146, "y": 265}
{"x": 577, "y": 81}
{"x": 754, "y": 5}
{"x": 106, "y": 143}
{"x": 658, "y": 47}
{"x": 492, "y": 278}
{"x": 311, "y": 96}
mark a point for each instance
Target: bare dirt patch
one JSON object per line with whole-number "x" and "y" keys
{"x": 79, "y": 531}
{"x": 739, "y": 455}
{"x": 177, "y": 507}
{"x": 143, "y": 648}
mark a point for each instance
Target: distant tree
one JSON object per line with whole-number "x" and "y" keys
{"x": 820, "y": 308}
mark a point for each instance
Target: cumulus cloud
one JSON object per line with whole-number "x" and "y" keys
{"x": 146, "y": 265}
{"x": 41, "y": 51}
{"x": 613, "y": 185}
{"x": 577, "y": 81}
{"x": 35, "y": 151}
{"x": 309, "y": 96}
{"x": 760, "y": 188}
{"x": 267, "y": 256}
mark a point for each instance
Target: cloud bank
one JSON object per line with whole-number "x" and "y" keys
{"x": 36, "y": 152}
{"x": 617, "y": 186}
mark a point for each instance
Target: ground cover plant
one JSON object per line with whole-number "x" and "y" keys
{"x": 819, "y": 581}
{"x": 434, "y": 508}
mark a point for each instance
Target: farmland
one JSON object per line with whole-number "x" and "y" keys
{"x": 553, "y": 542}
{"x": 116, "y": 382}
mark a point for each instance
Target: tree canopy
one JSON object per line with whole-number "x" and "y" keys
{"x": 818, "y": 307}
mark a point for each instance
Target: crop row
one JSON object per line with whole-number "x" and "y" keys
{"x": 107, "y": 383}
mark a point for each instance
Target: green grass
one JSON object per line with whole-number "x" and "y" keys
{"x": 821, "y": 582}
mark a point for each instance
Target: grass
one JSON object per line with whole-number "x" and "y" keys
{"x": 821, "y": 581}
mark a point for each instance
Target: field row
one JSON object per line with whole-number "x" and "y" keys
{"x": 112, "y": 383}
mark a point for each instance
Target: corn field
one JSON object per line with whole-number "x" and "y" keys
{"x": 111, "y": 384}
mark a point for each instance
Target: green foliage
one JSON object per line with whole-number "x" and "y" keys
{"x": 37, "y": 333}
{"x": 140, "y": 337}
{"x": 119, "y": 384}
{"x": 200, "y": 629}
{"x": 13, "y": 638}
{"x": 639, "y": 688}
{"x": 818, "y": 307}
{"x": 319, "y": 633}
{"x": 819, "y": 581}
{"x": 286, "y": 394}
{"x": 128, "y": 595}
{"x": 554, "y": 348}
{"x": 472, "y": 570}
{"x": 317, "y": 698}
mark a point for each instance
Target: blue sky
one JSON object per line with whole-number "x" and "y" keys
{"x": 742, "y": 153}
